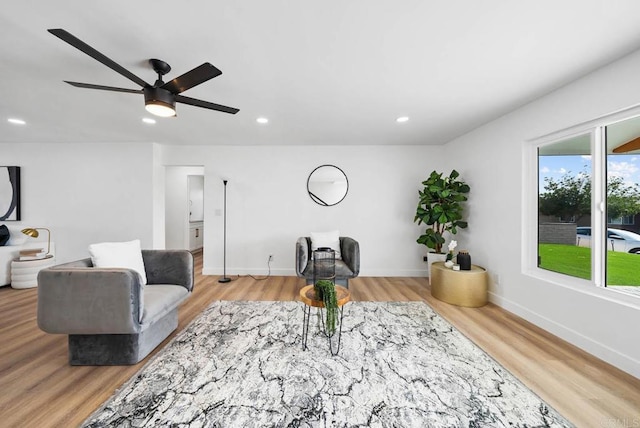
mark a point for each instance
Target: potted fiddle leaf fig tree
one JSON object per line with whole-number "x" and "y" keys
{"x": 440, "y": 208}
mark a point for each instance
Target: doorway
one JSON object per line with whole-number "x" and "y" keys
{"x": 184, "y": 207}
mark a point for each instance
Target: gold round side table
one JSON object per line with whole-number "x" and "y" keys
{"x": 460, "y": 287}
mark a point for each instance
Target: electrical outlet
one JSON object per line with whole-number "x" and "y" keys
{"x": 270, "y": 257}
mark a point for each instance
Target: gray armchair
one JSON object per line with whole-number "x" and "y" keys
{"x": 110, "y": 317}
{"x": 348, "y": 267}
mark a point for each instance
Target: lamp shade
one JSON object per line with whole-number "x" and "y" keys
{"x": 159, "y": 102}
{"x": 31, "y": 232}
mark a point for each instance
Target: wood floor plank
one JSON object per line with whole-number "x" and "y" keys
{"x": 40, "y": 389}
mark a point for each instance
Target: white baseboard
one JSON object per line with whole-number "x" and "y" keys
{"x": 622, "y": 361}
{"x": 292, "y": 272}
{"x": 395, "y": 272}
{"x": 255, "y": 272}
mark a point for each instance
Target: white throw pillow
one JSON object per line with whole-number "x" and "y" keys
{"x": 326, "y": 239}
{"x": 119, "y": 255}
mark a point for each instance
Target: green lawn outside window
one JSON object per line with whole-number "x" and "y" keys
{"x": 622, "y": 268}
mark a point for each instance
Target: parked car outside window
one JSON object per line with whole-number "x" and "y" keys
{"x": 617, "y": 240}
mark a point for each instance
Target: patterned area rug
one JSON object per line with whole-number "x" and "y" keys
{"x": 241, "y": 364}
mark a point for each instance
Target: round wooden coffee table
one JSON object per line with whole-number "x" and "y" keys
{"x": 310, "y": 300}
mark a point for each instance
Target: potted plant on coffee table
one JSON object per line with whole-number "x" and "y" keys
{"x": 440, "y": 208}
{"x": 326, "y": 291}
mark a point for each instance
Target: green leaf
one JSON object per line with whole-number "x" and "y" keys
{"x": 440, "y": 207}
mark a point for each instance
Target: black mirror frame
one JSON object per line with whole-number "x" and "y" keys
{"x": 315, "y": 198}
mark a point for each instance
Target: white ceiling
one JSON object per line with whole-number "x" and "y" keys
{"x": 323, "y": 72}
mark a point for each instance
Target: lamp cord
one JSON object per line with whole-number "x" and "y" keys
{"x": 261, "y": 278}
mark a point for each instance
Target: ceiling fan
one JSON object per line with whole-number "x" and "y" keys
{"x": 159, "y": 98}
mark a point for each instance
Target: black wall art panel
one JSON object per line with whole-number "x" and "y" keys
{"x": 9, "y": 193}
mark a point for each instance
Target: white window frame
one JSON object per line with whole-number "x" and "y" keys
{"x": 529, "y": 262}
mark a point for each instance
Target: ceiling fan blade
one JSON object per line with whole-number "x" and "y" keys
{"x": 192, "y": 78}
{"x": 104, "y": 88}
{"x": 628, "y": 146}
{"x": 79, "y": 44}
{"x": 205, "y": 104}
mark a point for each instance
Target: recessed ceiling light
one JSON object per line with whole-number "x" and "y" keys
{"x": 16, "y": 121}
{"x": 262, "y": 120}
{"x": 402, "y": 119}
{"x": 148, "y": 120}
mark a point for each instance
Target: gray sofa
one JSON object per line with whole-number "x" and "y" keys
{"x": 348, "y": 267}
{"x": 110, "y": 317}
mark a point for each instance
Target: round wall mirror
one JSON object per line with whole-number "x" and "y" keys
{"x": 327, "y": 185}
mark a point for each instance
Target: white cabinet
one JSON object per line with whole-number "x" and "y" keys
{"x": 195, "y": 184}
{"x": 184, "y": 208}
{"x": 196, "y": 231}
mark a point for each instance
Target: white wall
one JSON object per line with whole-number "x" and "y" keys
{"x": 88, "y": 193}
{"x": 158, "y": 198}
{"x": 268, "y": 207}
{"x": 176, "y": 205}
{"x": 598, "y": 320}
{"x": 84, "y": 193}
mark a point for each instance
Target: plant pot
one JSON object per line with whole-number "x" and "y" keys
{"x": 435, "y": 257}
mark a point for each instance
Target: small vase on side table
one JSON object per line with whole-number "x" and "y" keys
{"x": 464, "y": 260}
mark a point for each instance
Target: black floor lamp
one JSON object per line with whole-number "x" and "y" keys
{"x": 224, "y": 239}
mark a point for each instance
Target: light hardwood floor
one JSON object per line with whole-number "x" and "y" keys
{"x": 39, "y": 389}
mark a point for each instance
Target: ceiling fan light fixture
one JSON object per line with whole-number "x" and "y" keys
{"x": 158, "y": 109}
{"x": 160, "y": 102}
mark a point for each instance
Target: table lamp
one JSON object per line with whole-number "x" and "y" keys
{"x": 33, "y": 232}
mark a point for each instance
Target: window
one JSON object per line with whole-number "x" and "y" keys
{"x": 583, "y": 231}
{"x": 623, "y": 203}
{"x": 564, "y": 195}
{"x": 587, "y": 199}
